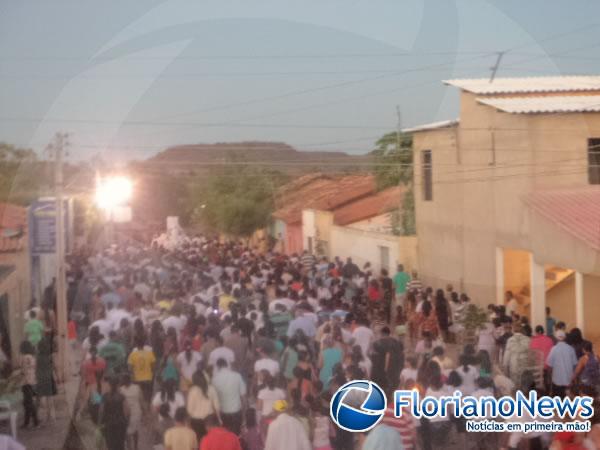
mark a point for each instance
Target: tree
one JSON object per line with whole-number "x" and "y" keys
{"x": 393, "y": 160}
{"x": 394, "y": 166}
{"x": 21, "y": 174}
{"x": 238, "y": 200}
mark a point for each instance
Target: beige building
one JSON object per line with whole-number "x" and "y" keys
{"x": 508, "y": 196}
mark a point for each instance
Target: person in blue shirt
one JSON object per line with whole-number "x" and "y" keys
{"x": 562, "y": 361}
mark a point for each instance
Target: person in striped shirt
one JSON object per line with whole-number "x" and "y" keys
{"x": 405, "y": 424}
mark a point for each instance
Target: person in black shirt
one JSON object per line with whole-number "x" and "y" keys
{"x": 388, "y": 360}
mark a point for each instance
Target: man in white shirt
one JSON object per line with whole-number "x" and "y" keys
{"x": 221, "y": 352}
{"x": 363, "y": 336}
{"x": 265, "y": 362}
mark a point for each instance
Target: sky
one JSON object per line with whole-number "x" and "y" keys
{"x": 128, "y": 79}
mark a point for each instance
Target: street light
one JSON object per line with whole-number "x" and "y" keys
{"x": 112, "y": 196}
{"x": 113, "y": 192}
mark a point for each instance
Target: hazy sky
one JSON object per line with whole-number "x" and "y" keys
{"x": 128, "y": 78}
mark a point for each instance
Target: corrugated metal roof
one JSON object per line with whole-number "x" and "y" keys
{"x": 576, "y": 210}
{"x": 528, "y": 84}
{"x": 369, "y": 207}
{"x": 432, "y": 126}
{"x": 547, "y": 104}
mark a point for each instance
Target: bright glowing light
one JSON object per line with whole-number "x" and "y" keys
{"x": 112, "y": 192}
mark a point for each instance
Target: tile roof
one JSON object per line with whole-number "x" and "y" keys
{"x": 368, "y": 207}
{"x": 324, "y": 193}
{"x": 576, "y": 210}
{"x": 542, "y": 105}
{"x": 432, "y": 126}
{"x": 528, "y": 84}
{"x": 13, "y": 227}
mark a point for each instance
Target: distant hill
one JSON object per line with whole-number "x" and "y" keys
{"x": 277, "y": 155}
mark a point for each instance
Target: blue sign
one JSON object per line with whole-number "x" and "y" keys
{"x": 42, "y": 226}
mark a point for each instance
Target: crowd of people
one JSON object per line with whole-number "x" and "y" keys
{"x": 215, "y": 346}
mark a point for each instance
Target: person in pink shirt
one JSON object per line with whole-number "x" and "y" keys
{"x": 543, "y": 344}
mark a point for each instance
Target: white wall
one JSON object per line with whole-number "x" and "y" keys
{"x": 308, "y": 227}
{"x": 363, "y": 246}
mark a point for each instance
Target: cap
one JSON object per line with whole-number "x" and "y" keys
{"x": 280, "y": 405}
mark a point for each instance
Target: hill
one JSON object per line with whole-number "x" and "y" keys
{"x": 196, "y": 157}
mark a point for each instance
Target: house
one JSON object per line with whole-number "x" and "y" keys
{"x": 14, "y": 276}
{"x": 317, "y": 191}
{"x": 362, "y": 229}
{"x": 507, "y": 197}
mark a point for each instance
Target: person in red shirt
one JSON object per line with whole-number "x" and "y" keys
{"x": 92, "y": 370}
{"x": 218, "y": 438}
{"x": 542, "y": 344}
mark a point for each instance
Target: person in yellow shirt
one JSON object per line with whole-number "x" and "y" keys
{"x": 142, "y": 362}
{"x": 180, "y": 436}
{"x": 226, "y": 299}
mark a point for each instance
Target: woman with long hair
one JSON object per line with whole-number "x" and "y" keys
{"x": 442, "y": 312}
{"x": 202, "y": 403}
{"x": 428, "y": 320}
{"x": 168, "y": 395}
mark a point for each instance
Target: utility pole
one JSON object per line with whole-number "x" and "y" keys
{"x": 399, "y": 127}
{"x": 496, "y": 66}
{"x": 61, "y": 292}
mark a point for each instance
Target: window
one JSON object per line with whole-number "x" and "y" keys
{"x": 594, "y": 161}
{"x": 427, "y": 175}
{"x": 384, "y": 257}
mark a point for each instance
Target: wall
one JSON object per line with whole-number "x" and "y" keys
{"x": 317, "y": 225}
{"x": 293, "y": 238}
{"x": 561, "y": 301}
{"x": 591, "y": 308}
{"x": 482, "y": 169}
{"x": 381, "y": 224}
{"x": 17, "y": 286}
{"x": 516, "y": 270}
{"x": 363, "y": 246}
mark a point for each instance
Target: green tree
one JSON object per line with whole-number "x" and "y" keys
{"x": 238, "y": 201}
{"x": 393, "y": 166}
{"x": 21, "y": 174}
{"x": 393, "y": 162}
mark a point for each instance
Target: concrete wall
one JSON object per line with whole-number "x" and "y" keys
{"x": 482, "y": 169}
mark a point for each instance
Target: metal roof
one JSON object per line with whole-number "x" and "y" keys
{"x": 528, "y": 84}
{"x": 547, "y": 104}
{"x": 432, "y": 126}
{"x": 575, "y": 210}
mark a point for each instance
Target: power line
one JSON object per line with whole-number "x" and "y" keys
{"x": 242, "y": 57}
